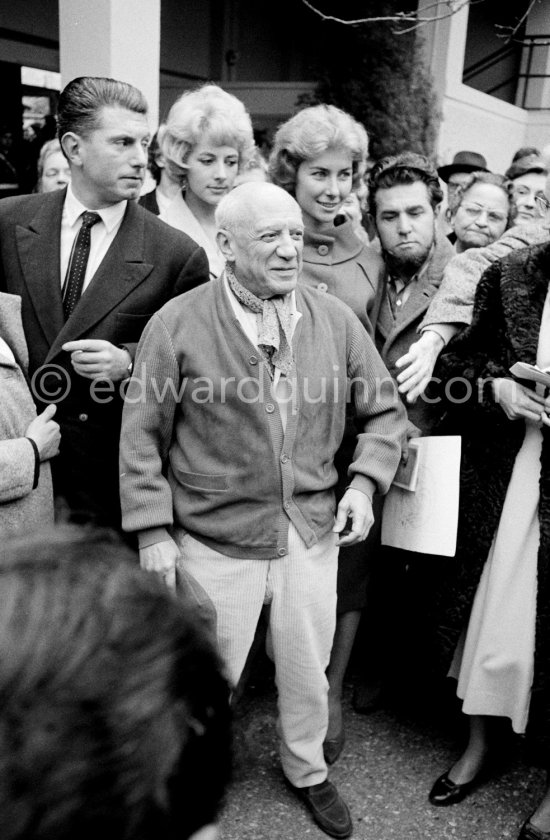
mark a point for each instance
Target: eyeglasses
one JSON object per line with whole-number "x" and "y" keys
{"x": 543, "y": 205}
{"x": 475, "y": 210}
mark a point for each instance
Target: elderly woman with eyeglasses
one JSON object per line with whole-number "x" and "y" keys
{"x": 207, "y": 140}
{"x": 526, "y": 178}
{"x": 482, "y": 211}
{"x": 319, "y": 156}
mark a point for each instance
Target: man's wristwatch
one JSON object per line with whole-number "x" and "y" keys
{"x": 130, "y": 368}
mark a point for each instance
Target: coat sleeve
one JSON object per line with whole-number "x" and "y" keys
{"x": 148, "y": 416}
{"x": 17, "y": 469}
{"x": 454, "y": 300}
{"x": 380, "y": 416}
{"x": 479, "y": 354}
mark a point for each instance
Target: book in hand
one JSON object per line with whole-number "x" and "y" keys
{"x": 407, "y": 474}
{"x": 426, "y": 520}
{"x": 523, "y": 370}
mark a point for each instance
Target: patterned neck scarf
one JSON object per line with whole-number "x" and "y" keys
{"x": 274, "y": 337}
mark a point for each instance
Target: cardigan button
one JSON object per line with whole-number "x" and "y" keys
{"x": 285, "y": 458}
{"x": 253, "y": 360}
{"x": 287, "y": 504}
{"x": 322, "y": 287}
{"x": 281, "y": 552}
{"x": 322, "y": 250}
{"x": 270, "y": 408}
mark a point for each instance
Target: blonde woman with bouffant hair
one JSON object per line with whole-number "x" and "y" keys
{"x": 207, "y": 140}
{"x": 319, "y": 156}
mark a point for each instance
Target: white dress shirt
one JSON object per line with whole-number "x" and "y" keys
{"x": 102, "y": 233}
{"x": 6, "y": 351}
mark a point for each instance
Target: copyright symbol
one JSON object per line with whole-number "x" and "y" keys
{"x": 51, "y": 383}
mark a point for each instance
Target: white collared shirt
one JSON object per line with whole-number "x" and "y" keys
{"x": 102, "y": 233}
{"x": 250, "y": 322}
{"x": 6, "y": 351}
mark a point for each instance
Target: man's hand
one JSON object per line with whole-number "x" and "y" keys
{"x": 356, "y": 506}
{"x": 520, "y": 403}
{"x": 161, "y": 558}
{"x": 418, "y": 365}
{"x": 94, "y": 358}
{"x": 45, "y": 433}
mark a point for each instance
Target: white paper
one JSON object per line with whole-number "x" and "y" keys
{"x": 426, "y": 520}
{"x": 523, "y": 370}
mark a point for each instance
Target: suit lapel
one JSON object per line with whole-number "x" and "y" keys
{"x": 121, "y": 270}
{"x": 38, "y": 246}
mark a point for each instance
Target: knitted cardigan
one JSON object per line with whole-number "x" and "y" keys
{"x": 202, "y": 440}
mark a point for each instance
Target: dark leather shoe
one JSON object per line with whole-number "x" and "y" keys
{"x": 531, "y": 832}
{"x": 328, "y": 809}
{"x": 332, "y": 747}
{"x": 446, "y": 792}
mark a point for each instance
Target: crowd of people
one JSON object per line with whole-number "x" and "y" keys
{"x": 219, "y": 378}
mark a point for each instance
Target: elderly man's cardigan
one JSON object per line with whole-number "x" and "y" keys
{"x": 505, "y": 329}
{"x": 204, "y": 444}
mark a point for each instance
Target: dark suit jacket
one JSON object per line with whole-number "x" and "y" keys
{"x": 149, "y": 201}
{"x": 395, "y": 343}
{"x": 148, "y": 263}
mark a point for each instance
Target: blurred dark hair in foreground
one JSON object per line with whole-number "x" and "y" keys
{"x": 114, "y": 716}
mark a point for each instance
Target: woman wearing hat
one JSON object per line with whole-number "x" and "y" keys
{"x": 456, "y": 174}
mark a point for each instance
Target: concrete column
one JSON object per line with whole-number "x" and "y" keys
{"x": 115, "y": 38}
{"x": 444, "y": 42}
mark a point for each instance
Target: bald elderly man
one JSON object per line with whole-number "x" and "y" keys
{"x": 230, "y": 427}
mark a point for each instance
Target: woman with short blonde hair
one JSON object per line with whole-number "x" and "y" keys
{"x": 206, "y": 142}
{"x": 311, "y": 132}
{"x": 319, "y": 156}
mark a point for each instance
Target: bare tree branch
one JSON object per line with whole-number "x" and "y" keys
{"x": 413, "y": 18}
{"x": 508, "y": 32}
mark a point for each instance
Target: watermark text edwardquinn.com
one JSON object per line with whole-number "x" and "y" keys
{"x": 52, "y": 383}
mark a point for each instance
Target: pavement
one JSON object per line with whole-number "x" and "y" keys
{"x": 390, "y": 760}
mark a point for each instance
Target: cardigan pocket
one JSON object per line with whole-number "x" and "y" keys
{"x": 201, "y": 481}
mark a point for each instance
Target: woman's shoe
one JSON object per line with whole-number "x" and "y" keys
{"x": 531, "y": 832}
{"x": 447, "y": 792}
{"x": 332, "y": 747}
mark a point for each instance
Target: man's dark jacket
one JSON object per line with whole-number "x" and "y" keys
{"x": 148, "y": 263}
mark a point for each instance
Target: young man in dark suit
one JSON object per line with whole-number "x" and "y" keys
{"x": 91, "y": 267}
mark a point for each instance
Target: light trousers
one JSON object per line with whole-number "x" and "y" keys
{"x": 301, "y": 590}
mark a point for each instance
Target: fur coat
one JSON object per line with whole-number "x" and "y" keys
{"x": 505, "y": 328}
